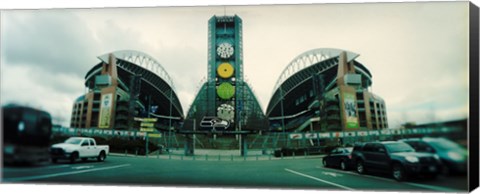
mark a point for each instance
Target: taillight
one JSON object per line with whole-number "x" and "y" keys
{"x": 350, "y": 156}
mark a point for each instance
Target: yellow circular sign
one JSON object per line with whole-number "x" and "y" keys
{"x": 225, "y": 70}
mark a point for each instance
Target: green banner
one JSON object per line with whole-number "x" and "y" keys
{"x": 350, "y": 107}
{"x": 105, "y": 111}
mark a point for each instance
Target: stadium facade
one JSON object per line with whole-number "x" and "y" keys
{"x": 325, "y": 90}
{"x": 124, "y": 85}
{"x": 321, "y": 90}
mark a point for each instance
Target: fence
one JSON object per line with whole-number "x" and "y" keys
{"x": 261, "y": 146}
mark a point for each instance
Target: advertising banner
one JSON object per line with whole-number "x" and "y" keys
{"x": 386, "y": 132}
{"x": 373, "y": 133}
{"x": 350, "y": 108}
{"x": 327, "y": 135}
{"x": 296, "y": 136}
{"x": 362, "y": 133}
{"x": 337, "y": 134}
{"x": 141, "y": 134}
{"x": 105, "y": 111}
{"x": 350, "y": 134}
{"x": 311, "y": 135}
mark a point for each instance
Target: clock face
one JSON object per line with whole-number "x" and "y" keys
{"x": 225, "y": 70}
{"x": 225, "y": 91}
{"x": 226, "y": 112}
{"x": 225, "y": 50}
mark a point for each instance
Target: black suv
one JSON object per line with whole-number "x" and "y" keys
{"x": 397, "y": 158}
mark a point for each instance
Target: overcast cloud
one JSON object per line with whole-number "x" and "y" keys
{"x": 417, "y": 52}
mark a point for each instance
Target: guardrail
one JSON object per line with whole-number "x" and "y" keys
{"x": 292, "y": 135}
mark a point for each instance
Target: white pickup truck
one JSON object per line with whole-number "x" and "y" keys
{"x": 78, "y": 148}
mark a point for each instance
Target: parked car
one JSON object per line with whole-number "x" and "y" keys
{"x": 453, "y": 156}
{"x": 339, "y": 157}
{"x": 397, "y": 158}
{"x": 78, "y": 148}
{"x": 26, "y": 135}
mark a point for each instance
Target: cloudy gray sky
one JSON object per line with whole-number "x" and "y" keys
{"x": 417, "y": 52}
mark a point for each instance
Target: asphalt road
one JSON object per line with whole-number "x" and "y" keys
{"x": 299, "y": 173}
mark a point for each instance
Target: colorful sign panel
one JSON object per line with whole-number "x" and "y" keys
{"x": 105, "y": 111}
{"x": 145, "y": 119}
{"x": 147, "y": 129}
{"x": 155, "y": 135}
{"x": 350, "y": 108}
{"x": 225, "y": 91}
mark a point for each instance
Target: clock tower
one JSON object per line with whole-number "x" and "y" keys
{"x": 225, "y": 69}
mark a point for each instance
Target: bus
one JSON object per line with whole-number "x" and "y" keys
{"x": 26, "y": 135}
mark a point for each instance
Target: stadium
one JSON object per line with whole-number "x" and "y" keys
{"x": 124, "y": 85}
{"x": 321, "y": 90}
{"x": 325, "y": 90}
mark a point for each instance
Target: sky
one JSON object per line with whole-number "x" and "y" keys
{"x": 416, "y": 52}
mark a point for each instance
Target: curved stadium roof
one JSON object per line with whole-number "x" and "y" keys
{"x": 301, "y": 68}
{"x": 153, "y": 73}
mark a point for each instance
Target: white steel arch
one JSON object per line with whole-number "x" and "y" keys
{"x": 309, "y": 58}
{"x": 143, "y": 60}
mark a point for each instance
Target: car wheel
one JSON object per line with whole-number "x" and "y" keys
{"x": 360, "y": 167}
{"x": 343, "y": 165}
{"x": 101, "y": 157}
{"x": 446, "y": 170}
{"x": 73, "y": 157}
{"x": 398, "y": 172}
{"x": 325, "y": 164}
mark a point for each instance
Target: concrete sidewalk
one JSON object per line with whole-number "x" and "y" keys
{"x": 218, "y": 155}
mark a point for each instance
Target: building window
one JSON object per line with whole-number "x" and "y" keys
{"x": 359, "y": 96}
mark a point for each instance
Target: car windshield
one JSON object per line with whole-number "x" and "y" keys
{"x": 73, "y": 141}
{"x": 399, "y": 147}
{"x": 444, "y": 144}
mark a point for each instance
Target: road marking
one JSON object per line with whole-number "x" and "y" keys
{"x": 317, "y": 179}
{"x": 437, "y": 188}
{"x": 60, "y": 174}
{"x": 81, "y": 167}
{"x": 8, "y": 169}
{"x": 332, "y": 174}
{"x": 431, "y": 187}
{"x": 360, "y": 175}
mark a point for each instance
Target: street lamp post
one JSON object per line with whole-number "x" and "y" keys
{"x": 170, "y": 120}
{"x": 283, "y": 117}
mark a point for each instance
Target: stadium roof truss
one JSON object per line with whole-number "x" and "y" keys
{"x": 143, "y": 60}
{"x": 148, "y": 67}
{"x": 301, "y": 68}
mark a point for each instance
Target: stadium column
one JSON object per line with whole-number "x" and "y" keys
{"x": 190, "y": 140}
{"x": 244, "y": 147}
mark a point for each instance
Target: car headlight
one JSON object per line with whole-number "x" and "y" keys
{"x": 411, "y": 159}
{"x": 455, "y": 156}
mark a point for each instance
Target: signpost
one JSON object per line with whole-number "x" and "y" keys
{"x": 148, "y": 125}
